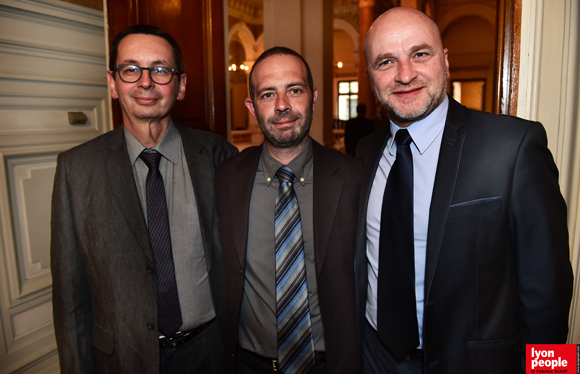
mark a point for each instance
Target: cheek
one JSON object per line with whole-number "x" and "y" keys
{"x": 381, "y": 81}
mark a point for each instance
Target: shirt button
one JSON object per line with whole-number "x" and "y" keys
{"x": 150, "y": 270}
{"x": 150, "y": 326}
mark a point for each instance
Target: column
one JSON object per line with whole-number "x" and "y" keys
{"x": 365, "y": 93}
{"x": 306, "y": 26}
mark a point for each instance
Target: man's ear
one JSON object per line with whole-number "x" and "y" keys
{"x": 314, "y": 98}
{"x": 112, "y": 84}
{"x": 182, "y": 84}
{"x": 250, "y": 106}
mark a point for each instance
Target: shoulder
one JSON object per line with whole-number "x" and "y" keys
{"x": 95, "y": 147}
{"x": 326, "y": 156}
{"x": 206, "y": 142}
{"x": 206, "y": 138}
{"x": 501, "y": 129}
{"x": 248, "y": 155}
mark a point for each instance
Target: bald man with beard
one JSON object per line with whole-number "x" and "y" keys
{"x": 475, "y": 264}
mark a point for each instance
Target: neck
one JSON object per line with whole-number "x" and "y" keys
{"x": 148, "y": 132}
{"x": 285, "y": 155}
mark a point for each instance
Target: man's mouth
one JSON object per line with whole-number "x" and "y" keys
{"x": 146, "y": 100}
{"x": 284, "y": 121}
{"x": 407, "y": 92}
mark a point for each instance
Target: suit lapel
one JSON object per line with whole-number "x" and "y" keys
{"x": 326, "y": 197}
{"x": 445, "y": 178}
{"x": 121, "y": 182}
{"x": 201, "y": 173}
{"x": 240, "y": 187}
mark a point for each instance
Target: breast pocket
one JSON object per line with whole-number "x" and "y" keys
{"x": 467, "y": 208}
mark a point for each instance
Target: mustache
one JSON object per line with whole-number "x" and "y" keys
{"x": 284, "y": 116}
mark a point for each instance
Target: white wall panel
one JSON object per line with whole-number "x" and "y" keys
{"x": 52, "y": 62}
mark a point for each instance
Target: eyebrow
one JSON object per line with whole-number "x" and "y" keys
{"x": 413, "y": 49}
{"x": 299, "y": 84}
{"x": 154, "y": 63}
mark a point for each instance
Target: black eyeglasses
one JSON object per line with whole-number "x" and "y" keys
{"x": 158, "y": 74}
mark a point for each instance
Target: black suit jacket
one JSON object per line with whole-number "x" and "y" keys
{"x": 104, "y": 286}
{"x": 336, "y": 197}
{"x": 497, "y": 273}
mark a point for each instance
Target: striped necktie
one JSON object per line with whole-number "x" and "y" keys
{"x": 295, "y": 344}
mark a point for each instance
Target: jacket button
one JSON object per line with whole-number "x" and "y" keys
{"x": 150, "y": 270}
{"x": 235, "y": 315}
{"x": 150, "y": 326}
{"x": 241, "y": 273}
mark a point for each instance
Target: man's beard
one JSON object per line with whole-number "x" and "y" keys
{"x": 423, "y": 111}
{"x": 298, "y": 134}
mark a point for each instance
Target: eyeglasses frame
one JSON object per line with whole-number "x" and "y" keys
{"x": 173, "y": 70}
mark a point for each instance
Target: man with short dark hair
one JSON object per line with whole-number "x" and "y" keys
{"x": 136, "y": 258}
{"x": 288, "y": 224}
{"x": 462, "y": 251}
{"x": 356, "y": 129}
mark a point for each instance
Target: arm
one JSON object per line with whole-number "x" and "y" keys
{"x": 72, "y": 310}
{"x": 539, "y": 235}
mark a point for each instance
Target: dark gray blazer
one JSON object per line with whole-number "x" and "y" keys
{"x": 497, "y": 274}
{"x": 336, "y": 196}
{"x": 104, "y": 289}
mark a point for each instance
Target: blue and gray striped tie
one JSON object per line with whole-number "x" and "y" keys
{"x": 295, "y": 344}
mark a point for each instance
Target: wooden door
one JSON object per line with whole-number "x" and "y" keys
{"x": 197, "y": 26}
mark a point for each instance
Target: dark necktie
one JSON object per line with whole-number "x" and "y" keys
{"x": 396, "y": 304}
{"x": 168, "y": 309}
{"x": 295, "y": 344}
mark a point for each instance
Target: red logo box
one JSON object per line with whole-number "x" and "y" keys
{"x": 552, "y": 359}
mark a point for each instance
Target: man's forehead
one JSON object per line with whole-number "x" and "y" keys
{"x": 406, "y": 36}
{"x": 278, "y": 69}
{"x": 139, "y": 46}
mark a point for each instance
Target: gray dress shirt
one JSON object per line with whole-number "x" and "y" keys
{"x": 187, "y": 245}
{"x": 258, "y": 331}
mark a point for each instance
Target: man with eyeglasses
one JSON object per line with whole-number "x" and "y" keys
{"x": 135, "y": 253}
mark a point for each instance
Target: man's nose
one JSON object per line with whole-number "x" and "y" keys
{"x": 145, "y": 81}
{"x": 406, "y": 72}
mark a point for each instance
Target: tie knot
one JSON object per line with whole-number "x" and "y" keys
{"x": 285, "y": 174}
{"x": 402, "y": 137}
{"x": 151, "y": 159}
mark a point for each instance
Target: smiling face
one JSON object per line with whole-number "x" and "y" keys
{"x": 407, "y": 65}
{"x": 144, "y": 100}
{"x": 283, "y": 103}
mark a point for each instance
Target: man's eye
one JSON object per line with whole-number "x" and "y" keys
{"x": 266, "y": 96}
{"x": 296, "y": 91}
{"x": 421, "y": 54}
{"x": 159, "y": 70}
{"x": 130, "y": 69}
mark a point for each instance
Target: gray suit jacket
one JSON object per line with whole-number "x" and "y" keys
{"x": 104, "y": 283}
{"x": 497, "y": 272}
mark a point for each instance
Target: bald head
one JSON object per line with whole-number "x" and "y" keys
{"x": 406, "y": 64}
{"x": 398, "y": 18}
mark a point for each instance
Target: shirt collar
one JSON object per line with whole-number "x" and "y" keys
{"x": 300, "y": 165}
{"x": 168, "y": 146}
{"x": 425, "y": 131}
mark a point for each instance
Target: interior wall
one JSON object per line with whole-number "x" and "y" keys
{"x": 52, "y": 63}
{"x": 471, "y": 44}
{"x": 549, "y": 93}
